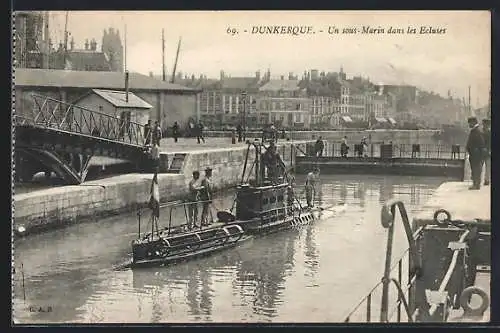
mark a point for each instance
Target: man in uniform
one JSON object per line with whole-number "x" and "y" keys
{"x": 206, "y": 196}
{"x": 272, "y": 160}
{"x": 476, "y": 149}
{"x": 311, "y": 180}
{"x": 175, "y": 131}
{"x": 194, "y": 193}
{"x": 487, "y": 158}
{"x": 319, "y": 147}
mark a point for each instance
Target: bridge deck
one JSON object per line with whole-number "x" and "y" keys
{"x": 462, "y": 203}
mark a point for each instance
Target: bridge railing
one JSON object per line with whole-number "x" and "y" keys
{"x": 51, "y": 113}
{"x": 374, "y": 149}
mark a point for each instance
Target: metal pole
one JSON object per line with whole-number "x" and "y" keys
{"x": 163, "y": 53}
{"x": 22, "y": 275}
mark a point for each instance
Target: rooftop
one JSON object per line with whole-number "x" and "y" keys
{"x": 240, "y": 83}
{"x": 119, "y": 99}
{"x": 281, "y": 85}
{"x": 36, "y": 77}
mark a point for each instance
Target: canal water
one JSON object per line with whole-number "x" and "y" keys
{"x": 314, "y": 274}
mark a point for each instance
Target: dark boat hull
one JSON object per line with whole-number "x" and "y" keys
{"x": 182, "y": 257}
{"x": 189, "y": 246}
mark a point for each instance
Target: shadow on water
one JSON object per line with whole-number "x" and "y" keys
{"x": 281, "y": 277}
{"x": 256, "y": 270}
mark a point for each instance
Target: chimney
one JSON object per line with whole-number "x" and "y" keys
{"x": 126, "y": 86}
{"x": 257, "y": 75}
{"x": 290, "y": 76}
{"x": 282, "y": 77}
{"x": 222, "y": 75}
{"x": 72, "y": 44}
{"x": 86, "y": 44}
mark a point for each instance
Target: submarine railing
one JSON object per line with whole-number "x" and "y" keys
{"x": 438, "y": 302}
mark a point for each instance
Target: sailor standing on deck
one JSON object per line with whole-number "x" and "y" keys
{"x": 194, "y": 197}
{"x": 273, "y": 162}
{"x": 206, "y": 196}
{"x": 476, "y": 149}
{"x": 310, "y": 187}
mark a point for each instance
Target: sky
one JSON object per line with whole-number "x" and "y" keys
{"x": 437, "y": 62}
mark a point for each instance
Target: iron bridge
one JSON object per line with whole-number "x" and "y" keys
{"x": 63, "y": 137}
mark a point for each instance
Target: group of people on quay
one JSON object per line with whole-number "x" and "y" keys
{"x": 479, "y": 150}
{"x": 361, "y": 149}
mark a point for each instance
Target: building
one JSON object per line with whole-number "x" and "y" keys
{"x": 90, "y": 58}
{"x": 325, "y": 111}
{"x": 229, "y": 100}
{"x": 170, "y": 102}
{"x": 122, "y": 105}
{"x": 112, "y": 47}
{"x": 284, "y": 103}
{"x": 86, "y": 59}
{"x": 31, "y": 39}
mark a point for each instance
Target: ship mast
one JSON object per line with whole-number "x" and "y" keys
{"x": 65, "y": 50}
{"x": 163, "y": 54}
{"x": 172, "y": 80}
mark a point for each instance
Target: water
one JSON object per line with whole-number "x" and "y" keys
{"x": 315, "y": 274}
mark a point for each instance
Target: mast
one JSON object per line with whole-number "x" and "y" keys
{"x": 46, "y": 50}
{"x": 176, "y": 59}
{"x": 125, "y": 48}
{"x": 470, "y": 110}
{"x": 65, "y": 50}
{"x": 163, "y": 53}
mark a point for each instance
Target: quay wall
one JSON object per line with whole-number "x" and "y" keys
{"x": 59, "y": 206}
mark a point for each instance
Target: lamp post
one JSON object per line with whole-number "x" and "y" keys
{"x": 244, "y": 120}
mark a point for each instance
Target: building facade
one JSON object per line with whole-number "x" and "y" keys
{"x": 230, "y": 101}
{"x": 325, "y": 111}
{"x": 284, "y": 103}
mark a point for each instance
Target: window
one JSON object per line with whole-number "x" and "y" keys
{"x": 265, "y": 201}
{"x": 100, "y": 108}
{"x": 280, "y": 198}
{"x": 273, "y": 200}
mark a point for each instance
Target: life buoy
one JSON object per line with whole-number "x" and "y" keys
{"x": 465, "y": 298}
{"x": 442, "y": 211}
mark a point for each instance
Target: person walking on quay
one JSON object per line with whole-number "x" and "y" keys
{"x": 175, "y": 131}
{"x": 476, "y": 149}
{"x": 364, "y": 148}
{"x": 206, "y": 196}
{"x": 344, "y": 148}
{"x": 199, "y": 132}
{"x": 310, "y": 186}
{"x": 239, "y": 130}
{"x": 319, "y": 147}
{"x": 157, "y": 133}
{"x": 194, "y": 197}
{"x": 487, "y": 158}
{"x": 147, "y": 133}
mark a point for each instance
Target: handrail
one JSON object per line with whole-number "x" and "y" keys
{"x": 388, "y": 215}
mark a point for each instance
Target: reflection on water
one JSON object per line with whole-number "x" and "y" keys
{"x": 314, "y": 274}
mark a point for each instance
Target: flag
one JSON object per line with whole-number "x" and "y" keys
{"x": 154, "y": 201}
